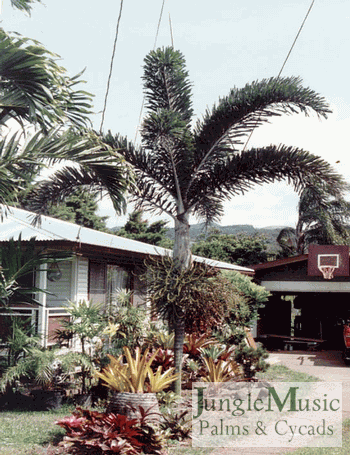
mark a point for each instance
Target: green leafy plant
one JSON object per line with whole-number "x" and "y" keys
{"x": 194, "y": 343}
{"x": 167, "y": 399}
{"x": 86, "y": 322}
{"x": 220, "y": 370}
{"x": 136, "y": 375}
{"x": 218, "y": 351}
{"x": 176, "y": 425}
{"x": 47, "y": 368}
{"x": 130, "y": 321}
{"x": 252, "y": 360}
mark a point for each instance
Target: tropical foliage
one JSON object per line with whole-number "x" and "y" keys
{"x": 198, "y": 294}
{"x": 322, "y": 219}
{"x": 47, "y": 368}
{"x": 86, "y": 322}
{"x": 137, "y": 228}
{"x": 80, "y": 208}
{"x": 239, "y": 249}
{"x": 186, "y": 168}
{"x": 252, "y": 360}
{"x": 18, "y": 261}
{"x": 24, "y": 5}
{"x": 35, "y": 91}
{"x": 97, "y": 433}
{"x": 136, "y": 375}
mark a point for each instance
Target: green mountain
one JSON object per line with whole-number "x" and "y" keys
{"x": 200, "y": 229}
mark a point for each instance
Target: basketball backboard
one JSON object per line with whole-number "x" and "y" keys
{"x": 328, "y": 260}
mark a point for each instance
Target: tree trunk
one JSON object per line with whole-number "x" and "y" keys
{"x": 178, "y": 352}
{"x": 182, "y": 251}
{"x": 182, "y": 257}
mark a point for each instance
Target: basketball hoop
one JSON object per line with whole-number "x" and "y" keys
{"x": 327, "y": 271}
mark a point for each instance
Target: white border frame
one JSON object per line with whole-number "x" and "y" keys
{"x": 327, "y": 255}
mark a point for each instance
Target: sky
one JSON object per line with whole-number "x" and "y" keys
{"x": 226, "y": 43}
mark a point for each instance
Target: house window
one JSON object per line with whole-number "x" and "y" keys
{"x": 106, "y": 282}
{"x": 97, "y": 282}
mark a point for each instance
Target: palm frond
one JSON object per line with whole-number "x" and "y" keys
{"x": 34, "y": 88}
{"x": 166, "y": 83}
{"x": 24, "y": 5}
{"x": 265, "y": 165}
{"x": 227, "y": 124}
{"x": 90, "y": 163}
{"x": 154, "y": 188}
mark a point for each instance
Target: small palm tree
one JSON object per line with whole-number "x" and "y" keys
{"x": 186, "y": 168}
{"x": 322, "y": 219}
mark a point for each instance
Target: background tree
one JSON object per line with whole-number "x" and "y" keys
{"x": 80, "y": 208}
{"x": 185, "y": 170}
{"x": 241, "y": 249}
{"x": 322, "y": 219}
{"x": 137, "y": 228}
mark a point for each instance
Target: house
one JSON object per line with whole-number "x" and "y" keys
{"x": 102, "y": 264}
{"x": 310, "y": 296}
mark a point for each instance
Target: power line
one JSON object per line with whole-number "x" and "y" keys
{"x": 111, "y": 65}
{"x": 296, "y": 38}
{"x": 284, "y": 63}
{"x": 171, "y": 31}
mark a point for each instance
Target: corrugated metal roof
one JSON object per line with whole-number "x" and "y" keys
{"x": 17, "y": 222}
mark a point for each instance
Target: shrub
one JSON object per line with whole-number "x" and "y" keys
{"x": 176, "y": 425}
{"x": 252, "y": 360}
{"x": 220, "y": 370}
{"x": 95, "y": 433}
{"x": 136, "y": 375}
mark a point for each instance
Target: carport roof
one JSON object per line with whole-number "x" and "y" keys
{"x": 280, "y": 262}
{"x": 17, "y": 223}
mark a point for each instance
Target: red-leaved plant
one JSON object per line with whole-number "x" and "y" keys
{"x": 96, "y": 433}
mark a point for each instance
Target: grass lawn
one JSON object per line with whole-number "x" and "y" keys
{"x": 344, "y": 450}
{"x": 31, "y": 433}
{"x": 280, "y": 373}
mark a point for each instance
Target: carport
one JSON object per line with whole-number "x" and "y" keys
{"x": 304, "y": 304}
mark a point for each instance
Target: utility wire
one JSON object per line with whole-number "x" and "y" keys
{"x": 171, "y": 32}
{"x": 154, "y": 46}
{"x": 111, "y": 66}
{"x": 284, "y": 64}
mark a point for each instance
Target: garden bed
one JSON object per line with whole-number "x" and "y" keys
{"x": 35, "y": 433}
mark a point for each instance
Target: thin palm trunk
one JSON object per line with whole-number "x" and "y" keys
{"x": 182, "y": 251}
{"x": 182, "y": 257}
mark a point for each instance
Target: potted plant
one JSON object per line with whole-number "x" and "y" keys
{"x": 134, "y": 383}
{"x": 47, "y": 370}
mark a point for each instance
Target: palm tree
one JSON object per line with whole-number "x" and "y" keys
{"x": 322, "y": 219}
{"x": 24, "y": 5}
{"x": 185, "y": 169}
{"x": 36, "y": 93}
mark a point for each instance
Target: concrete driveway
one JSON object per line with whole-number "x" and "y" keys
{"x": 325, "y": 365}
